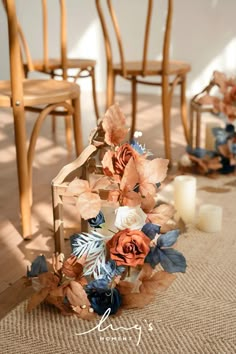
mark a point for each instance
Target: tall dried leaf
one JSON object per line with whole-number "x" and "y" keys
{"x": 72, "y": 268}
{"x": 130, "y": 176}
{"x": 48, "y": 280}
{"x": 78, "y": 186}
{"x": 114, "y": 126}
{"x": 131, "y": 301}
{"x": 37, "y": 298}
{"x": 161, "y": 214}
{"x": 152, "y": 171}
{"x": 130, "y": 198}
{"x": 125, "y": 287}
{"x": 148, "y": 203}
{"x": 160, "y": 281}
{"x": 101, "y": 183}
{"x": 147, "y": 188}
{"x": 76, "y": 294}
{"x": 107, "y": 163}
{"x": 89, "y": 205}
{"x": 58, "y": 303}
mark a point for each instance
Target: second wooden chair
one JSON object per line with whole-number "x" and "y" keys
{"x": 170, "y": 72}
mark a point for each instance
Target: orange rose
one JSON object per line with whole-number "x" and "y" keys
{"x": 122, "y": 156}
{"x": 129, "y": 247}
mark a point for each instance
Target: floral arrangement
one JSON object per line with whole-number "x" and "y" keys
{"x": 223, "y": 99}
{"x": 124, "y": 269}
{"x": 222, "y": 159}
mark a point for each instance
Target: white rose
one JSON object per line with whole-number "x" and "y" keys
{"x": 132, "y": 218}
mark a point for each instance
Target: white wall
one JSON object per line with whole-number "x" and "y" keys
{"x": 203, "y": 33}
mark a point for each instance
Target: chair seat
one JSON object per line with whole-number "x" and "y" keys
{"x": 153, "y": 68}
{"x": 40, "y": 92}
{"x": 54, "y": 64}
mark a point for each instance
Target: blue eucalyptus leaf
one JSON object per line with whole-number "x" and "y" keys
{"x": 168, "y": 239}
{"x": 153, "y": 257}
{"x": 38, "y": 266}
{"x": 151, "y": 230}
{"x": 172, "y": 260}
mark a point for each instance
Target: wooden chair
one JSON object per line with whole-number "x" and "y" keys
{"x": 170, "y": 73}
{"x": 58, "y": 67}
{"x": 40, "y": 96}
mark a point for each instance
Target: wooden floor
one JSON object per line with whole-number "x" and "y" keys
{"x": 51, "y": 154}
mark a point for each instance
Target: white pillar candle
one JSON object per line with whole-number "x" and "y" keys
{"x": 185, "y": 197}
{"x": 210, "y": 218}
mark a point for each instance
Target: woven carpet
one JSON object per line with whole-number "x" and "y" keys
{"x": 197, "y": 314}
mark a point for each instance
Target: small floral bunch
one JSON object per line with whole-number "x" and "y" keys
{"x": 220, "y": 94}
{"x": 222, "y": 159}
{"x": 126, "y": 269}
{"x": 224, "y": 99}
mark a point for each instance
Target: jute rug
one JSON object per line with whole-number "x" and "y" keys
{"x": 197, "y": 314}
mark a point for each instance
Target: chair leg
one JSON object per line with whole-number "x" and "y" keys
{"x": 191, "y": 115}
{"x": 184, "y": 109}
{"x": 68, "y": 129}
{"x": 134, "y": 106}
{"x": 77, "y": 126}
{"x": 22, "y": 170}
{"x": 198, "y": 129}
{"x": 53, "y": 116}
{"x": 166, "y": 116}
{"x": 94, "y": 93}
{"x": 110, "y": 88}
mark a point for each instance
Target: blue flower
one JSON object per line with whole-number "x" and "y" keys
{"x": 38, "y": 266}
{"x": 97, "y": 221}
{"x": 101, "y": 300}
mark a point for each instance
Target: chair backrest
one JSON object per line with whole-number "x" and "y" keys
{"x": 101, "y": 4}
{"x": 25, "y": 51}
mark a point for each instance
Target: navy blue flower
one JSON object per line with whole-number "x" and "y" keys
{"x": 101, "y": 300}
{"x": 97, "y": 221}
{"x": 38, "y": 266}
{"x": 171, "y": 260}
